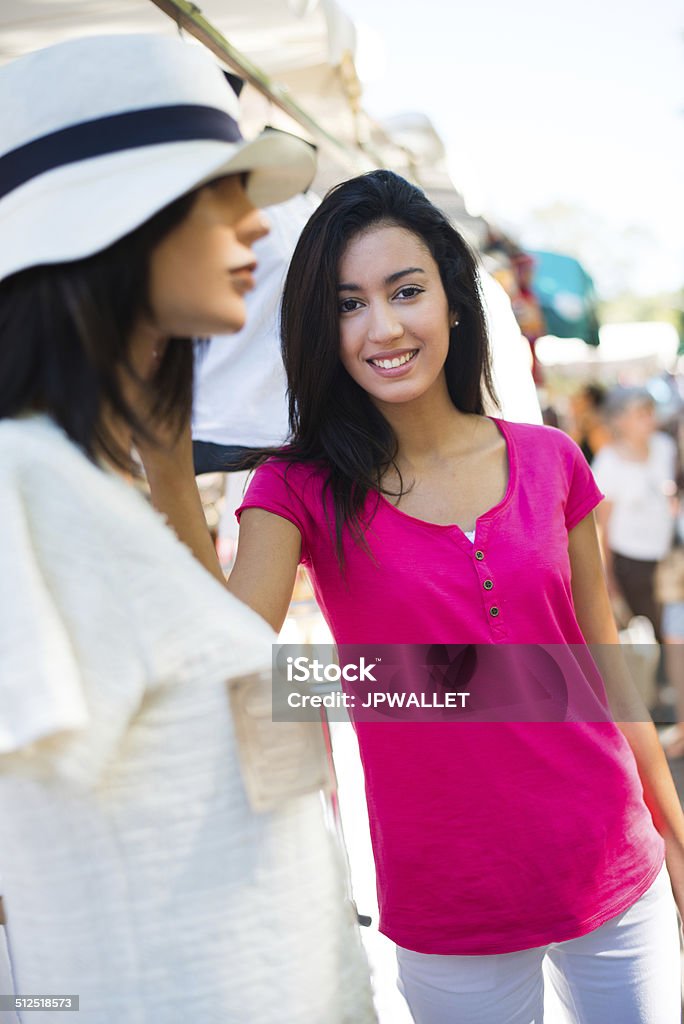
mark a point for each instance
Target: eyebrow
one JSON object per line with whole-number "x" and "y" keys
{"x": 388, "y": 280}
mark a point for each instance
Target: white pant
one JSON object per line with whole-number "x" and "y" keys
{"x": 625, "y": 972}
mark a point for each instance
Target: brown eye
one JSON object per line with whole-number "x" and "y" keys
{"x": 349, "y": 305}
{"x": 409, "y": 291}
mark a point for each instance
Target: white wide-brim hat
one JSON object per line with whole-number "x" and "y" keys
{"x": 100, "y": 133}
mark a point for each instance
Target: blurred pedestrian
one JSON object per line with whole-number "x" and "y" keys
{"x": 589, "y": 429}
{"x": 163, "y": 852}
{"x": 636, "y": 473}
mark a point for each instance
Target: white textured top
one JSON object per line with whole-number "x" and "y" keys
{"x": 642, "y": 520}
{"x": 134, "y": 871}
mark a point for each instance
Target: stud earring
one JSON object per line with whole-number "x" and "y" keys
{"x": 454, "y": 323}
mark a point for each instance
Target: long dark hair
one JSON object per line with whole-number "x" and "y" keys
{"x": 332, "y": 419}
{"x": 64, "y": 340}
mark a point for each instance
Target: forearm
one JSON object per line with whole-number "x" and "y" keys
{"x": 628, "y": 711}
{"x": 660, "y": 794}
{"x": 661, "y": 799}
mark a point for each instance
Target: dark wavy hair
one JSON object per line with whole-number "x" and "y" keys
{"x": 332, "y": 419}
{"x": 65, "y": 332}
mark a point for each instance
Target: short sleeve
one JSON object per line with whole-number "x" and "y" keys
{"x": 280, "y": 487}
{"x": 584, "y": 493}
{"x": 68, "y": 684}
{"x": 40, "y": 684}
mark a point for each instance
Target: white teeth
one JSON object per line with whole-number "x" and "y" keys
{"x": 390, "y": 364}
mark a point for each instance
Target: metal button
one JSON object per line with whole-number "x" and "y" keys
{"x": 488, "y": 584}
{"x": 494, "y": 611}
{"x": 479, "y": 555}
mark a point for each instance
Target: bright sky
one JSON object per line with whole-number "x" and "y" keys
{"x": 581, "y": 102}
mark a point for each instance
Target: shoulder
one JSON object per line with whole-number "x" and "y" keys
{"x": 292, "y": 489}
{"x": 51, "y": 491}
{"x": 537, "y": 438}
{"x": 32, "y": 435}
{"x": 282, "y": 472}
{"x": 39, "y": 461}
{"x": 284, "y": 464}
{"x": 553, "y": 468}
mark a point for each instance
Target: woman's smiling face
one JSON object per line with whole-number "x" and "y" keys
{"x": 394, "y": 315}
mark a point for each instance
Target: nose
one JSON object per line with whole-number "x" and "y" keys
{"x": 383, "y": 324}
{"x": 252, "y": 226}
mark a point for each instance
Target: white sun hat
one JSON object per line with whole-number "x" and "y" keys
{"x": 100, "y": 133}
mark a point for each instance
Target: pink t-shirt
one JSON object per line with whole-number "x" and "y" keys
{"x": 487, "y": 837}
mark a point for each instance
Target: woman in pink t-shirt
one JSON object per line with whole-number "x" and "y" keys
{"x": 498, "y": 845}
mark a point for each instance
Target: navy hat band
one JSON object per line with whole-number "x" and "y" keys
{"x": 112, "y": 134}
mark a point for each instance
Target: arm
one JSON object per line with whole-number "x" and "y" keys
{"x": 169, "y": 465}
{"x": 604, "y": 513}
{"x": 269, "y": 546}
{"x": 263, "y": 577}
{"x": 592, "y": 606}
{"x": 621, "y": 610}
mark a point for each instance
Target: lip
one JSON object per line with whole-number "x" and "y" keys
{"x": 243, "y": 281}
{"x": 394, "y": 371}
{"x": 243, "y": 277}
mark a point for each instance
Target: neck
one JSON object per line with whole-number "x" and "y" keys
{"x": 429, "y": 428}
{"x": 145, "y": 350}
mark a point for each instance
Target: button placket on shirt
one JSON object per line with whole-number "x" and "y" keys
{"x": 492, "y": 606}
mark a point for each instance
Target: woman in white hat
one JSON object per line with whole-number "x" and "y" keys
{"x": 160, "y": 859}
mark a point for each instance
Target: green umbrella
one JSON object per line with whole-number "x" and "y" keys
{"x": 566, "y": 295}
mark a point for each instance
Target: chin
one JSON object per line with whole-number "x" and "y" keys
{"x": 223, "y": 323}
{"x": 234, "y": 320}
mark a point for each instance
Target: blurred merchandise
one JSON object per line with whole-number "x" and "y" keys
{"x": 514, "y": 270}
{"x": 641, "y": 654}
{"x": 629, "y": 354}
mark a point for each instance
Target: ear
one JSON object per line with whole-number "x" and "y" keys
{"x": 453, "y": 319}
